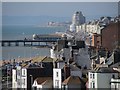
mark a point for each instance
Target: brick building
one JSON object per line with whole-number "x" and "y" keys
{"x": 96, "y": 40}
{"x": 110, "y": 35}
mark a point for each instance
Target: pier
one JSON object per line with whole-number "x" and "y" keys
{"x": 42, "y": 40}
{"x": 41, "y": 43}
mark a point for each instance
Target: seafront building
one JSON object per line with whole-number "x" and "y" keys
{"x": 77, "y": 20}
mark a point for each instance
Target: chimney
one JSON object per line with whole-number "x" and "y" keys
{"x": 41, "y": 65}
{"x": 55, "y": 64}
{"x": 71, "y": 53}
{"x": 66, "y": 71}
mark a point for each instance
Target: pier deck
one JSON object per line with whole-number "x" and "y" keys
{"x": 26, "y": 42}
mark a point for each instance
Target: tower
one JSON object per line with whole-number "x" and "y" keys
{"x": 77, "y": 20}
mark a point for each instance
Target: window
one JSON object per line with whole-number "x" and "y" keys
{"x": 57, "y": 83}
{"x": 93, "y": 86}
{"x": 56, "y": 74}
{"x": 24, "y": 81}
{"x": 64, "y": 87}
{"x": 93, "y": 76}
{"x": 23, "y": 72}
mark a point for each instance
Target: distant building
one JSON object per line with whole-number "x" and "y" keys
{"x": 77, "y": 20}
{"x": 77, "y": 50}
{"x": 90, "y": 27}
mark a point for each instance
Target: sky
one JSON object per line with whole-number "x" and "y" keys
{"x": 90, "y": 10}
{"x": 58, "y": 9}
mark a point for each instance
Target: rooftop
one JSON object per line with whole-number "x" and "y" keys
{"x": 72, "y": 80}
{"x": 43, "y": 80}
{"x": 105, "y": 70}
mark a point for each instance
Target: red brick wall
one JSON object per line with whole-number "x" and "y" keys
{"x": 110, "y": 36}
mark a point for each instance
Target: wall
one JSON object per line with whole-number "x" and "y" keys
{"x": 115, "y": 83}
{"x": 83, "y": 58}
{"x": 66, "y": 54}
{"x": 111, "y": 36}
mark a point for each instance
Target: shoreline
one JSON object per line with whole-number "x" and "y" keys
{"x": 17, "y": 60}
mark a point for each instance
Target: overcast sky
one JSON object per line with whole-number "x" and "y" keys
{"x": 59, "y": 9}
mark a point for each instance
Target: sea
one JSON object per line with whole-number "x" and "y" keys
{"x": 14, "y": 32}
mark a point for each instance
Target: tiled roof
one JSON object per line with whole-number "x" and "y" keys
{"x": 72, "y": 80}
{"x": 43, "y": 80}
{"x": 105, "y": 70}
{"x": 47, "y": 59}
{"x": 37, "y": 59}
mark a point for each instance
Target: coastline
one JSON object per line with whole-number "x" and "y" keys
{"x": 17, "y": 60}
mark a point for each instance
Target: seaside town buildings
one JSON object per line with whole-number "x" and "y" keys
{"x": 87, "y": 56}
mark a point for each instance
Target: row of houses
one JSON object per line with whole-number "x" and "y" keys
{"x": 103, "y": 32}
{"x": 60, "y": 70}
{"x": 62, "y": 73}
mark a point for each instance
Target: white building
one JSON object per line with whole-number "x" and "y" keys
{"x": 78, "y": 52}
{"x": 94, "y": 26}
{"x": 77, "y": 19}
{"x": 24, "y": 78}
{"x": 72, "y": 27}
{"x": 115, "y": 83}
{"x": 19, "y": 77}
{"x": 90, "y": 28}
{"x": 64, "y": 52}
{"x": 14, "y": 79}
{"x": 101, "y": 78}
{"x": 57, "y": 78}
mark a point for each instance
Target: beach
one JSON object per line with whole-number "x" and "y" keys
{"x": 16, "y": 60}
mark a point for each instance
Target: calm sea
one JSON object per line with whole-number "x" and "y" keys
{"x": 20, "y": 32}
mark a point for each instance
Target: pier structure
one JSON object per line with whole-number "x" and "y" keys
{"x": 41, "y": 41}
